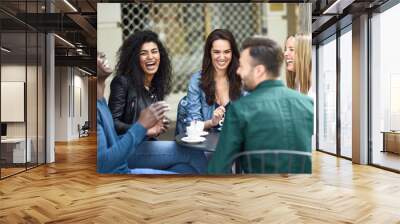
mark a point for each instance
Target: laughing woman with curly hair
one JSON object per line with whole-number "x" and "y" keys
{"x": 143, "y": 77}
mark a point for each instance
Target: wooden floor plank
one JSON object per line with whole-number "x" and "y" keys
{"x": 70, "y": 191}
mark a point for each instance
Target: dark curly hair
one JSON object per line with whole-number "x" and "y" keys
{"x": 207, "y": 82}
{"x": 129, "y": 63}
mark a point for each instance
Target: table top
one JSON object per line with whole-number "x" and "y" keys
{"x": 391, "y": 132}
{"x": 210, "y": 144}
{"x": 13, "y": 140}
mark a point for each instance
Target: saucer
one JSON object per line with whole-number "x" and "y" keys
{"x": 204, "y": 133}
{"x": 193, "y": 139}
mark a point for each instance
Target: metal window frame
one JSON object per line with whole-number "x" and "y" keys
{"x": 334, "y": 37}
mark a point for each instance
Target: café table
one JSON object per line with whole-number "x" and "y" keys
{"x": 391, "y": 141}
{"x": 209, "y": 145}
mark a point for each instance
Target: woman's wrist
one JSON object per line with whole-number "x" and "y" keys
{"x": 208, "y": 124}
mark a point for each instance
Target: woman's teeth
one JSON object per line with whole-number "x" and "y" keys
{"x": 221, "y": 63}
{"x": 150, "y": 65}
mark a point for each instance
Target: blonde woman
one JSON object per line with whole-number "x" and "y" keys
{"x": 298, "y": 62}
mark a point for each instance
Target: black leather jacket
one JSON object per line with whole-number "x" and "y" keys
{"x": 126, "y": 103}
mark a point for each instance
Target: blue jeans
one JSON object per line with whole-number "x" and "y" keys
{"x": 149, "y": 171}
{"x": 168, "y": 156}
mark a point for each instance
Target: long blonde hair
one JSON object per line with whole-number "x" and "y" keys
{"x": 302, "y": 48}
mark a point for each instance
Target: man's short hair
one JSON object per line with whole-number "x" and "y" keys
{"x": 267, "y": 52}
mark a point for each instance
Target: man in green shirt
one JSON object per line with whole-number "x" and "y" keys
{"x": 271, "y": 117}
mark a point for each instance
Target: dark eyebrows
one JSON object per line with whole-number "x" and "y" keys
{"x": 152, "y": 50}
{"x": 217, "y": 51}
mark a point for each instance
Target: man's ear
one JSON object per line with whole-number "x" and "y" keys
{"x": 259, "y": 71}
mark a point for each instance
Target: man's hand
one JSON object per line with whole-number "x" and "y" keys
{"x": 156, "y": 130}
{"x": 165, "y": 125}
{"x": 153, "y": 114}
{"x": 160, "y": 128}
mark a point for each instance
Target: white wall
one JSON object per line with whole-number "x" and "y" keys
{"x": 276, "y": 24}
{"x": 70, "y": 83}
{"x": 14, "y": 72}
{"x": 61, "y": 103}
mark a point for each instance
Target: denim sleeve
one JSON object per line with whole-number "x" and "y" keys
{"x": 194, "y": 99}
{"x": 109, "y": 157}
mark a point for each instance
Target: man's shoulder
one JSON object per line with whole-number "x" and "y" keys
{"x": 298, "y": 95}
{"x": 250, "y": 97}
{"x": 243, "y": 102}
{"x": 101, "y": 109}
{"x": 256, "y": 97}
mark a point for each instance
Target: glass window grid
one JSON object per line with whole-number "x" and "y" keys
{"x": 39, "y": 39}
{"x": 338, "y": 143}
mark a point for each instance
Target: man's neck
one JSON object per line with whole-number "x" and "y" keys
{"x": 100, "y": 88}
{"x": 266, "y": 78}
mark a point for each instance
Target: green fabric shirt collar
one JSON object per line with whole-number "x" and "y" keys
{"x": 269, "y": 83}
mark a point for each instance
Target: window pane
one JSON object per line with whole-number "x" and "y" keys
{"x": 346, "y": 94}
{"x": 15, "y": 150}
{"x": 385, "y": 89}
{"x": 327, "y": 96}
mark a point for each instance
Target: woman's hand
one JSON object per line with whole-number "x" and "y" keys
{"x": 217, "y": 116}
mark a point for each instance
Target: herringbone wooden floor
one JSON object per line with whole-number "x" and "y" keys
{"x": 70, "y": 191}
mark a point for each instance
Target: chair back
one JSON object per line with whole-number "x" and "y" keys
{"x": 272, "y": 161}
{"x": 86, "y": 125}
{"x": 181, "y": 117}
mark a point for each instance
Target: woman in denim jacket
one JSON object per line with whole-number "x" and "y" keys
{"x": 212, "y": 88}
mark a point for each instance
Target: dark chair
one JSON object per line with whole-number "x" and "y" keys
{"x": 181, "y": 117}
{"x": 84, "y": 130}
{"x": 272, "y": 161}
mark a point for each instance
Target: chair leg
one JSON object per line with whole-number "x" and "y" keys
{"x": 238, "y": 169}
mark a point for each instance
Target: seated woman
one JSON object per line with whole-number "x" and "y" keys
{"x": 114, "y": 152}
{"x": 212, "y": 88}
{"x": 298, "y": 66}
{"x": 143, "y": 77}
{"x": 298, "y": 62}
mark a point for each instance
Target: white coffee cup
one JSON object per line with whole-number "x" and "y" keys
{"x": 199, "y": 126}
{"x": 192, "y": 131}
